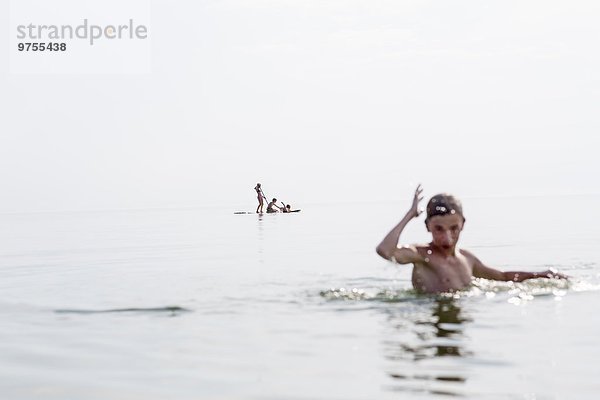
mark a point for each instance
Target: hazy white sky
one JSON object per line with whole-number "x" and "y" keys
{"x": 320, "y": 101}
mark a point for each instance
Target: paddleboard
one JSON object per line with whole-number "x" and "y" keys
{"x": 253, "y": 212}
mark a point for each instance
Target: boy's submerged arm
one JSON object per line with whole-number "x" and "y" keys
{"x": 482, "y": 271}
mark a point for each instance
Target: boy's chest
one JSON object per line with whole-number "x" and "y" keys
{"x": 456, "y": 266}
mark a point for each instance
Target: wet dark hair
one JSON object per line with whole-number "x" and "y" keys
{"x": 274, "y": 199}
{"x": 444, "y": 204}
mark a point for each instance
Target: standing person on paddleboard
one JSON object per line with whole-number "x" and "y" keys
{"x": 261, "y": 196}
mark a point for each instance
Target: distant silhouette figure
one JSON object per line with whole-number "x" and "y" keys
{"x": 261, "y": 196}
{"x": 272, "y": 205}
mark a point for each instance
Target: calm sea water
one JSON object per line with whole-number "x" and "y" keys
{"x": 205, "y": 304}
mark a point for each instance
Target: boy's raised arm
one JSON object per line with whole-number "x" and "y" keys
{"x": 388, "y": 248}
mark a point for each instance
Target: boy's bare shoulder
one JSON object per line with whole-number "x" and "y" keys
{"x": 421, "y": 248}
{"x": 468, "y": 254}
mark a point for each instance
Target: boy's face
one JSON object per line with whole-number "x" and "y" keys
{"x": 445, "y": 229}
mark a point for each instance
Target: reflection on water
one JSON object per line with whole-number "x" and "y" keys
{"x": 445, "y": 323}
{"x": 424, "y": 341}
{"x": 425, "y": 338}
{"x": 171, "y": 310}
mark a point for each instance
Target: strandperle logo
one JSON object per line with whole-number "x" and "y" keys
{"x": 85, "y": 31}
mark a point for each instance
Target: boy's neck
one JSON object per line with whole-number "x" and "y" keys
{"x": 447, "y": 252}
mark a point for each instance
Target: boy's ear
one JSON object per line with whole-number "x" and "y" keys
{"x": 427, "y": 226}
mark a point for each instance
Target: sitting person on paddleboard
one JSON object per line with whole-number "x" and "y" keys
{"x": 440, "y": 266}
{"x": 272, "y": 205}
{"x": 261, "y": 196}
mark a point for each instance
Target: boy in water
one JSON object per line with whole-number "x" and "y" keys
{"x": 441, "y": 266}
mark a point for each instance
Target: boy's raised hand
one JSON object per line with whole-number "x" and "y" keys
{"x": 414, "y": 209}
